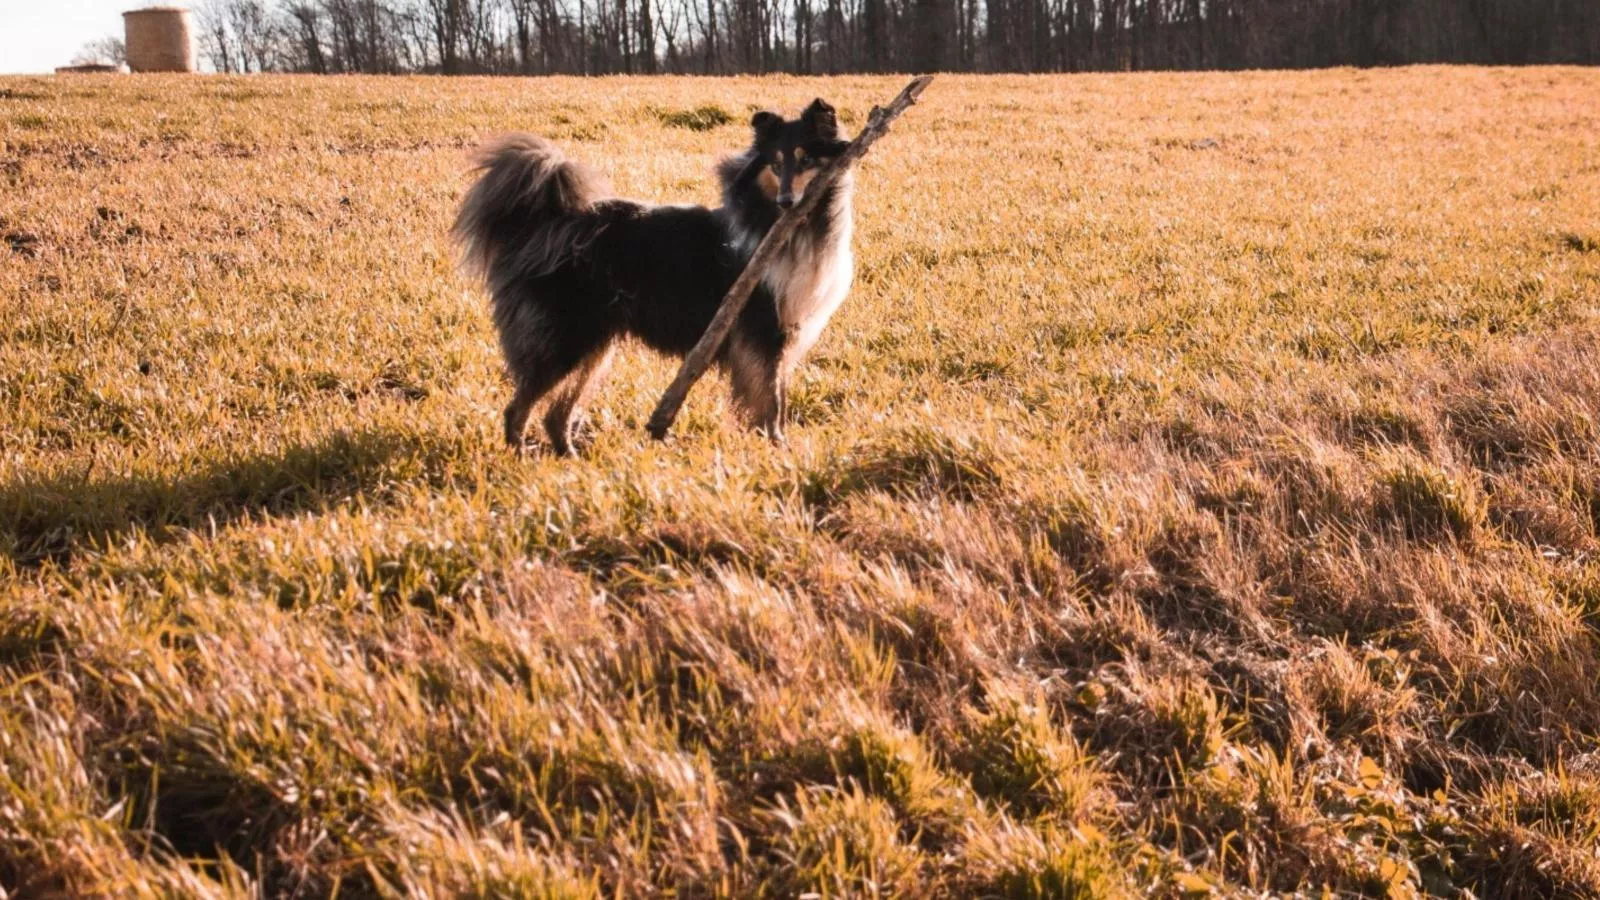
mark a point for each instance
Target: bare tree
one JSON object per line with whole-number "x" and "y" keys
{"x": 106, "y": 51}
{"x": 670, "y": 15}
{"x": 711, "y": 36}
{"x": 216, "y": 38}
{"x": 254, "y": 34}
{"x": 306, "y": 48}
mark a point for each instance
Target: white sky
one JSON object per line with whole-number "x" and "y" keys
{"x": 38, "y": 35}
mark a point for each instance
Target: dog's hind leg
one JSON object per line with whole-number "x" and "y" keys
{"x": 567, "y": 407}
{"x": 533, "y": 359}
{"x": 528, "y": 393}
{"x": 534, "y": 378}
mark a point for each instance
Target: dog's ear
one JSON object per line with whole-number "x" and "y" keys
{"x": 765, "y": 124}
{"x": 820, "y": 116}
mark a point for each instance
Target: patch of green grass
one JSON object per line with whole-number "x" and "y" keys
{"x": 702, "y": 118}
{"x": 1020, "y": 759}
{"x": 1048, "y": 864}
{"x": 1429, "y": 502}
{"x": 910, "y": 462}
{"x": 842, "y": 843}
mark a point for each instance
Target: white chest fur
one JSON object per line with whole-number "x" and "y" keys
{"x": 811, "y": 278}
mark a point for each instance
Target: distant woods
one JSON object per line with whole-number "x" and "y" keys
{"x": 833, "y": 36}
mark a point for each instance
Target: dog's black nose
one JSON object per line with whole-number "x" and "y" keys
{"x": 785, "y": 201}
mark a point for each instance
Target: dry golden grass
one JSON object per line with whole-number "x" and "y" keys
{"x": 1200, "y": 491}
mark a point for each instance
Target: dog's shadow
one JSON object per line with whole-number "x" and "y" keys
{"x": 53, "y": 517}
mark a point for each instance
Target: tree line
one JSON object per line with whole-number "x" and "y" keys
{"x": 838, "y": 36}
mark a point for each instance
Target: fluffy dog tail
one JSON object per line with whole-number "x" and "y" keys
{"x": 526, "y": 212}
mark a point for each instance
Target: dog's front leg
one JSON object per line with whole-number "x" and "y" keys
{"x": 780, "y": 406}
{"x": 759, "y": 391}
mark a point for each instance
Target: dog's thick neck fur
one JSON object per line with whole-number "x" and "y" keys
{"x": 812, "y": 274}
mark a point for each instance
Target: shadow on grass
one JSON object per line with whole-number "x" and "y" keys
{"x": 50, "y": 518}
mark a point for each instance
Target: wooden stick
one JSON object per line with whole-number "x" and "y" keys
{"x": 733, "y": 303}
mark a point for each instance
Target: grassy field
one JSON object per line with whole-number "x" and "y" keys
{"x": 1199, "y": 492}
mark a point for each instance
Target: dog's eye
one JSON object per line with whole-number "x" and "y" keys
{"x": 777, "y": 165}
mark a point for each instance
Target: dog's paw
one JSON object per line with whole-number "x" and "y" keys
{"x": 579, "y": 436}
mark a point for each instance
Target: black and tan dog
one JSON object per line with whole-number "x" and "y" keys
{"x": 573, "y": 270}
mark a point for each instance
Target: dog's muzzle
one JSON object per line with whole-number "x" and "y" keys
{"x": 785, "y": 201}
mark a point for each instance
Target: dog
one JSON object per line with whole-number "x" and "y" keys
{"x": 572, "y": 270}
